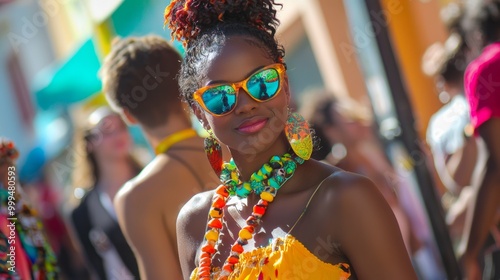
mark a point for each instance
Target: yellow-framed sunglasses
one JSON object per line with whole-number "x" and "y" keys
{"x": 262, "y": 85}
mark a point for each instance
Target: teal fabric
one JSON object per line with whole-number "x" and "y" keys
{"x": 75, "y": 80}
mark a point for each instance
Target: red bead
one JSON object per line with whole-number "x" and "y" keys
{"x": 204, "y": 272}
{"x": 205, "y": 262}
{"x": 204, "y": 255}
{"x": 208, "y": 248}
{"x": 237, "y": 248}
{"x": 215, "y": 223}
{"x": 218, "y": 202}
{"x": 228, "y": 267}
{"x": 252, "y": 221}
{"x": 262, "y": 202}
{"x": 233, "y": 260}
{"x": 259, "y": 210}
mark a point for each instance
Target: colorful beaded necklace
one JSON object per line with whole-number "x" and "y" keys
{"x": 265, "y": 182}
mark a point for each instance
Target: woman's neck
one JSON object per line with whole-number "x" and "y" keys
{"x": 114, "y": 174}
{"x": 248, "y": 163}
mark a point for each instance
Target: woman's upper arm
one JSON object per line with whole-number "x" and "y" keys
{"x": 191, "y": 223}
{"x": 369, "y": 234}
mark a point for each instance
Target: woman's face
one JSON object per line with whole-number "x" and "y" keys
{"x": 110, "y": 138}
{"x": 252, "y": 126}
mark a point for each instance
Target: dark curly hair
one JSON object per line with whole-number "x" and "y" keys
{"x": 483, "y": 16}
{"x": 204, "y": 25}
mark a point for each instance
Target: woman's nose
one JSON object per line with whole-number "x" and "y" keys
{"x": 245, "y": 103}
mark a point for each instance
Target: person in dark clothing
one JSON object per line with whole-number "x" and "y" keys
{"x": 107, "y": 154}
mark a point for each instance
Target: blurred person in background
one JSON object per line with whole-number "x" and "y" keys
{"x": 103, "y": 165}
{"x": 140, "y": 82}
{"x": 46, "y": 200}
{"x": 454, "y": 151}
{"x": 24, "y": 251}
{"x": 346, "y": 139}
{"x": 482, "y": 87}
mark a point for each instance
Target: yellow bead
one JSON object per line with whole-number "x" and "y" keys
{"x": 247, "y": 186}
{"x": 267, "y": 196}
{"x": 215, "y": 213}
{"x": 245, "y": 234}
{"x": 212, "y": 235}
{"x": 234, "y": 176}
{"x": 268, "y": 168}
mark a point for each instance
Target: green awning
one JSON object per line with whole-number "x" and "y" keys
{"x": 76, "y": 78}
{"x": 72, "y": 81}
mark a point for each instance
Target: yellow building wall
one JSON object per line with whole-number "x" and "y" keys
{"x": 414, "y": 25}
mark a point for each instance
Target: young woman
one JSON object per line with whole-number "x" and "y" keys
{"x": 277, "y": 214}
{"x": 102, "y": 168}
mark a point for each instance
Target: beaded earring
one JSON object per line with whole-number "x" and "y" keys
{"x": 298, "y": 133}
{"x": 214, "y": 153}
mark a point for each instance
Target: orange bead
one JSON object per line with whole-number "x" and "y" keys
{"x": 222, "y": 190}
{"x": 215, "y": 223}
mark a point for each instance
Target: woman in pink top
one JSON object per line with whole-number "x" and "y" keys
{"x": 482, "y": 87}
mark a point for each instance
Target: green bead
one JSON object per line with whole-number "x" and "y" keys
{"x": 280, "y": 179}
{"x": 256, "y": 185}
{"x": 247, "y": 186}
{"x": 275, "y": 159}
{"x": 242, "y": 192}
{"x": 272, "y": 182}
{"x": 266, "y": 169}
{"x": 256, "y": 177}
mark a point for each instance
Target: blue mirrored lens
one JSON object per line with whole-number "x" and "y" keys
{"x": 264, "y": 84}
{"x": 220, "y": 99}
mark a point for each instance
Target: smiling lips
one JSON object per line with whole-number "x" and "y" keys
{"x": 252, "y": 125}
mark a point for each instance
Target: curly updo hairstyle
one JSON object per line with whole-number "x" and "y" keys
{"x": 204, "y": 25}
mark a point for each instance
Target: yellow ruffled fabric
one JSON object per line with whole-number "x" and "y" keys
{"x": 285, "y": 258}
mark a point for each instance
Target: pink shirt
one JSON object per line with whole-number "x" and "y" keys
{"x": 482, "y": 86}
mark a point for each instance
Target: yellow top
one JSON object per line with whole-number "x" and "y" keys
{"x": 285, "y": 258}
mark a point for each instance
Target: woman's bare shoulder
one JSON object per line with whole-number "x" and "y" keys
{"x": 193, "y": 215}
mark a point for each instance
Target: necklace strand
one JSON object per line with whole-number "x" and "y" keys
{"x": 174, "y": 138}
{"x": 265, "y": 182}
